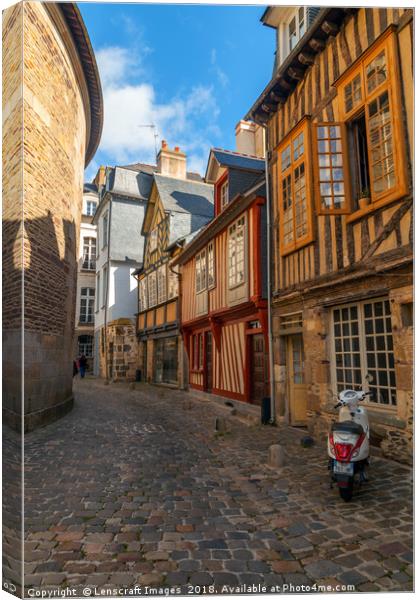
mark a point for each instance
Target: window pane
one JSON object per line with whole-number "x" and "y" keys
{"x": 381, "y": 144}
{"x": 376, "y": 72}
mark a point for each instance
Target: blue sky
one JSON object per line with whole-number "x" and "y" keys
{"x": 193, "y": 70}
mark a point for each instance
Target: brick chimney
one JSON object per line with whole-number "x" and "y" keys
{"x": 172, "y": 163}
{"x": 249, "y": 139}
{"x": 100, "y": 177}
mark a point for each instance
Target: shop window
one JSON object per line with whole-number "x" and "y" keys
{"x": 363, "y": 353}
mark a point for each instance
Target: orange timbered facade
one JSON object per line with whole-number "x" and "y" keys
{"x": 339, "y": 118}
{"x": 224, "y": 288}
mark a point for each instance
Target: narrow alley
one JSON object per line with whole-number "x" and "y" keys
{"x": 135, "y": 487}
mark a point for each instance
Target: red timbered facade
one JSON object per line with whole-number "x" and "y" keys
{"x": 224, "y": 298}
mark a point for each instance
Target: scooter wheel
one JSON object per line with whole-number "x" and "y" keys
{"x": 346, "y": 493}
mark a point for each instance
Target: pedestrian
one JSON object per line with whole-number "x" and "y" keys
{"x": 82, "y": 365}
{"x": 75, "y": 369}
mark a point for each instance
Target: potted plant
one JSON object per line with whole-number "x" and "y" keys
{"x": 364, "y": 198}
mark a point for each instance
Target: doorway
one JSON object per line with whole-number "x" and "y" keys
{"x": 297, "y": 392}
{"x": 208, "y": 384}
{"x": 259, "y": 366}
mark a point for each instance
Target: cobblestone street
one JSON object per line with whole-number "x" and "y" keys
{"x": 134, "y": 487}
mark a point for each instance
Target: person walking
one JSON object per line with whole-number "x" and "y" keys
{"x": 82, "y": 365}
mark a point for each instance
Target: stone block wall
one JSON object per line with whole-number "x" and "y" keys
{"x": 40, "y": 219}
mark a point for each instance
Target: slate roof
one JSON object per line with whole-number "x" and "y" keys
{"x": 145, "y": 168}
{"x": 228, "y": 158}
{"x": 90, "y": 187}
{"x": 131, "y": 183}
{"x": 185, "y": 196}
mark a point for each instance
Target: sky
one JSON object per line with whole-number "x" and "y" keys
{"x": 191, "y": 70}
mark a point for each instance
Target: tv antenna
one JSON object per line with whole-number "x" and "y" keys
{"x": 152, "y": 126}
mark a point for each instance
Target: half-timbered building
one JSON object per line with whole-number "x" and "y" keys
{"x": 224, "y": 287}
{"x": 338, "y": 113}
{"x": 179, "y": 204}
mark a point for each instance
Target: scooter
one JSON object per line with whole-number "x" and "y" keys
{"x": 348, "y": 443}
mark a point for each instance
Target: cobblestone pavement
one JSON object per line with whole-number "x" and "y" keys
{"x": 134, "y": 487}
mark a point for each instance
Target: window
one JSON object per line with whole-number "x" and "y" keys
{"x": 85, "y": 345}
{"x": 200, "y": 272}
{"x": 105, "y": 229}
{"x": 87, "y": 299}
{"x": 292, "y": 34}
{"x": 153, "y": 240}
{"x": 90, "y": 208}
{"x": 104, "y": 285}
{"x": 211, "y": 280}
{"x": 161, "y": 280}
{"x": 166, "y": 360}
{"x": 331, "y": 190}
{"x": 370, "y": 107}
{"x": 296, "y": 229}
{"x": 363, "y": 353}
{"x": 143, "y": 294}
{"x": 98, "y": 289}
{"x": 172, "y": 284}
{"x": 224, "y": 195}
{"x": 236, "y": 253}
{"x": 89, "y": 253}
{"x": 296, "y": 28}
{"x": 197, "y": 355}
{"x": 152, "y": 284}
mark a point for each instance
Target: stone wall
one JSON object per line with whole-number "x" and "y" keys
{"x": 391, "y": 428}
{"x": 45, "y": 213}
{"x": 122, "y": 355}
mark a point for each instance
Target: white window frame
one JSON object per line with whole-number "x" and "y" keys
{"x": 201, "y": 271}
{"x": 211, "y": 265}
{"x": 161, "y": 284}
{"x": 172, "y": 284}
{"x": 91, "y": 206}
{"x": 85, "y": 348}
{"x": 152, "y": 288}
{"x": 89, "y": 253}
{"x": 143, "y": 294}
{"x": 224, "y": 194}
{"x": 366, "y": 384}
{"x": 153, "y": 240}
{"x": 86, "y": 305}
{"x": 234, "y": 265}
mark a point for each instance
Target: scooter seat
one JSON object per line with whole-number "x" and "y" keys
{"x": 347, "y": 427}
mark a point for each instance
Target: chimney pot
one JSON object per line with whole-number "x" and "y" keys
{"x": 164, "y": 144}
{"x": 176, "y": 148}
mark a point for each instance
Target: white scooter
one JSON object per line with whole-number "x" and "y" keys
{"x": 348, "y": 443}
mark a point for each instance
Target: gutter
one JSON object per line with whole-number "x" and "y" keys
{"x": 269, "y": 311}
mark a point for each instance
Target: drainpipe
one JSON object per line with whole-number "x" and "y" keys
{"x": 270, "y": 329}
{"x": 108, "y": 273}
{"x": 179, "y": 313}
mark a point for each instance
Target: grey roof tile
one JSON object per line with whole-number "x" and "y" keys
{"x": 185, "y": 196}
{"x": 228, "y": 158}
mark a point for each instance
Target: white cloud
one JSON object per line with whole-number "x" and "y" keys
{"x": 188, "y": 120}
{"x": 222, "y": 78}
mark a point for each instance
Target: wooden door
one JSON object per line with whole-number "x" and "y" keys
{"x": 258, "y": 369}
{"x": 296, "y": 381}
{"x": 209, "y": 362}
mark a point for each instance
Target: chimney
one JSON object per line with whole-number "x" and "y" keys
{"x": 172, "y": 163}
{"x": 100, "y": 177}
{"x": 249, "y": 139}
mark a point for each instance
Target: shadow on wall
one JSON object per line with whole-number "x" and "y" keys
{"x": 125, "y": 293}
{"x": 49, "y": 289}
